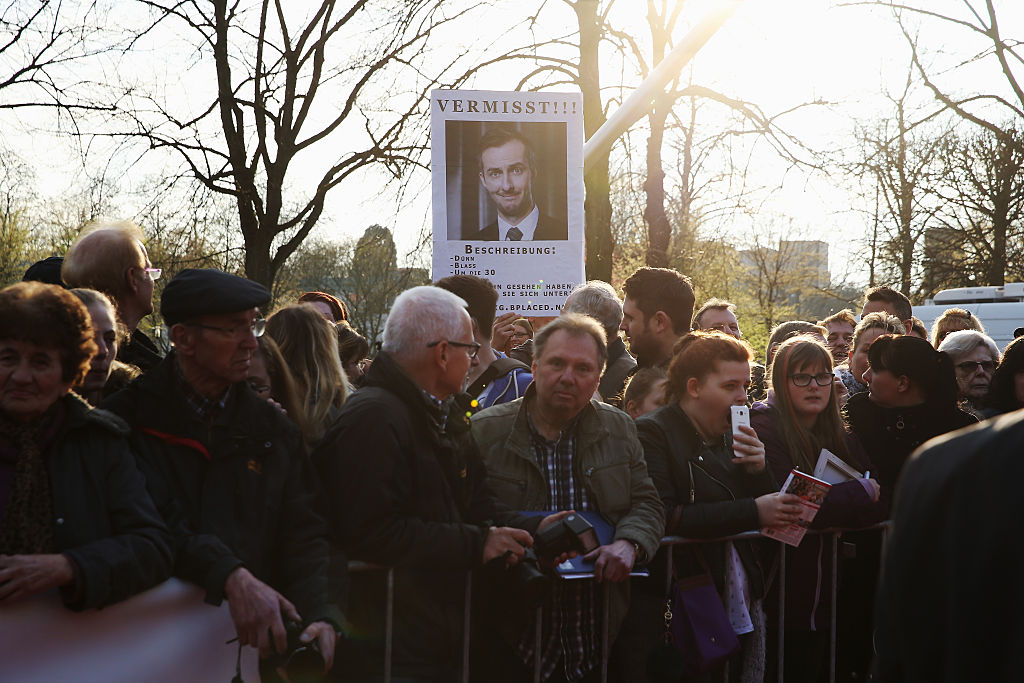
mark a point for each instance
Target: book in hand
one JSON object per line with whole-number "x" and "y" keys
{"x": 812, "y": 492}
{"x": 831, "y": 468}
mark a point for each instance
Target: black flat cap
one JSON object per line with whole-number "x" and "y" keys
{"x": 207, "y": 291}
{"x": 47, "y": 270}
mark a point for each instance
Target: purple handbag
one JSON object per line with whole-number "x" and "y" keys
{"x": 698, "y": 636}
{"x": 697, "y": 624}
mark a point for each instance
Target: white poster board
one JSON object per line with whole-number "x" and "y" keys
{"x": 165, "y": 635}
{"x": 508, "y": 193}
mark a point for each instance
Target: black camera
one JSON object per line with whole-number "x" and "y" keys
{"x": 301, "y": 661}
{"x": 571, "y": 533}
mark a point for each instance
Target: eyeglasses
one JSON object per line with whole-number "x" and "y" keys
{"x": 259, "y": 388}
{"x": 256, "y": 328}
{"x": 802, "y": 379}
{"x": 154, "y": 273}
{"x": 969, "y": 367}
{"x": 473, "y": 348}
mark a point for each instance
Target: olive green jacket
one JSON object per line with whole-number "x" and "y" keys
{"x": 608, "y": 462}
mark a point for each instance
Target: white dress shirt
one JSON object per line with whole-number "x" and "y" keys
{"x": 527, "y": 226}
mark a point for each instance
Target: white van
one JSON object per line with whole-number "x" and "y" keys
{"x": 1000, "y": 309}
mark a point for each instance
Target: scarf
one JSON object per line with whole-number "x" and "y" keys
{"x": 27, "y": 525}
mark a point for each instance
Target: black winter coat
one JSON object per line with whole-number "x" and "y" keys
{"x": 405, "y": 493}
{"x": 104, "y": 518}
{"x": 890, "y": 435}
{"x": 724, "y": 493}
{"x": 140, "y": 351}
{"x": 237, "y": 491}
{"x": 951, "y": 598}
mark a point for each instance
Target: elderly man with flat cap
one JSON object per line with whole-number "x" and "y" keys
{"x": 227, "y": 470}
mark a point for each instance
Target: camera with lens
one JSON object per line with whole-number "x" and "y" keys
{"x": 572, "y": 533}
{"x": 302, "y": 662}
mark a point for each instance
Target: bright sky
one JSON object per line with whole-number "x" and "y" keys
{"x": 777, "y": 54}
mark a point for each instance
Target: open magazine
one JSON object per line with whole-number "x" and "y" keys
{"x": 812, "y": 492}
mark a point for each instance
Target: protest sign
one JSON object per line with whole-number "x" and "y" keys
{"x": 508, "y": 193}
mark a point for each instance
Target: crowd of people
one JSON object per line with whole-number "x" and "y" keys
{"x": 259, "y": 456}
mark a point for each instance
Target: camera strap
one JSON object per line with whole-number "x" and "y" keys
{"x": 238, "y": 666}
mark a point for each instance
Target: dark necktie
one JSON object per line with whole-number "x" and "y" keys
{"x": 514, "y": 235}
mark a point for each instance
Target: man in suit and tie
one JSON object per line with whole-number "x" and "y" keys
{"x": 508, "y": 167}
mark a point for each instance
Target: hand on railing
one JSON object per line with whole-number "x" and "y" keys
{"x": 612, "y": 562}
{"x": 256, "y": 609}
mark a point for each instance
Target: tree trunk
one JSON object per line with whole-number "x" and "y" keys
{"x": 1007, "y": 169}
{"x": 659, "y": 231}
{"x": 598, "y": 205}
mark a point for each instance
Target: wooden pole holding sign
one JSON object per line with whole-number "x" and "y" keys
{"x": 637, "y": 104}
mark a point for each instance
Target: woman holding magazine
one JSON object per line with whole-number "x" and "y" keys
{"x": 713, "y": 485}
{"x": 798, "y": 420}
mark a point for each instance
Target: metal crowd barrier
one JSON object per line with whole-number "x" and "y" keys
{"x": 668, "y": 541}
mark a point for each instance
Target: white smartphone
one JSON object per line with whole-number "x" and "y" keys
{"x": 740, "y": 416}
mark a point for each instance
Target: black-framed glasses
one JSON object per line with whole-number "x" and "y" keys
{"x": 256, "y": 328}
{"x": 473, "y": 348}
{"x": 969, "y": 367}
{"x": 803, "y": 379}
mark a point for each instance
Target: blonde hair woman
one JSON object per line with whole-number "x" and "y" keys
{"x": 309, "y": 345}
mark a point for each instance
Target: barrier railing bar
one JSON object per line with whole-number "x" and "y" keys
{"x": 781, "y": 673}
{"x": 389, "y": 625}
{"x": 539, "y": 622}
{"x": 605, "y": 645}
{"x": 465, "y": 627}
{"x": 835, "y": 605}
{"x": 667, "y": 541}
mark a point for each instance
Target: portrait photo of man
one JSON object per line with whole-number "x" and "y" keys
{"x": 504, "y": 188}
{"x": 508, "y": 166}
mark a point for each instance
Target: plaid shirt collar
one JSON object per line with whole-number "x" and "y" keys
{"x": 437, "y": 408}
{"x": 567, "y": 432}
{"x": 206, "y": 409}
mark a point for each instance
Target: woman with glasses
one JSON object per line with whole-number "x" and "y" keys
{"x": 975, "y": 357}
{"x": 799, "y": 418}
{"x": 272, "y": 381}
{"x": 1006, "y": 391}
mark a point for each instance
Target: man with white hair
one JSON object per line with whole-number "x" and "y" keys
{"x": 599, "y": 300}
{"x": 407, "y": 489}
{"x": 975, "y": 357}
{"x": 109, "y": 256}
